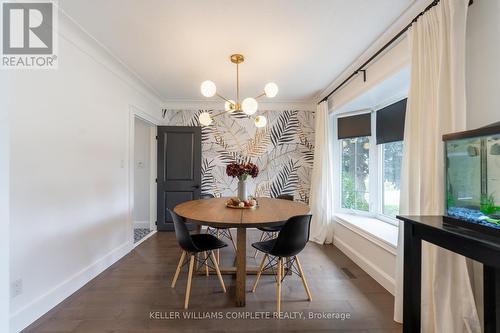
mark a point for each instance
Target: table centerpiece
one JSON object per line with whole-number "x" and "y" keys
{"x": 242, "y": 171}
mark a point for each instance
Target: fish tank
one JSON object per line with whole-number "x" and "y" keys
{"x": 473, "y": 179}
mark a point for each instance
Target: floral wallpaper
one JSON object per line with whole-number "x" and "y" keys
{"x": 283, "y": 151}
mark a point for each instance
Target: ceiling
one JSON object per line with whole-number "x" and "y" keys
{"x": 173, "y": 46}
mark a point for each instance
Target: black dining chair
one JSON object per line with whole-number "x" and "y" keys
{"x": 272, "y": 232}
{"x": 191, "y": 245}
{"x": 281, "y": 253}
{"x": 216, "y": 231}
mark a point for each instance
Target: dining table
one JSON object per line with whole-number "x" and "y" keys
{"x": 214, "y": 213}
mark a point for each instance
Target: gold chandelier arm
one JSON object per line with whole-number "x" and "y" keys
{"x": 261, "y": 95}
{"x": 224, "y": 98}
{"x": 218, "y": 114}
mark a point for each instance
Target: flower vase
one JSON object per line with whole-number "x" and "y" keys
{"x": 242, "y": 190}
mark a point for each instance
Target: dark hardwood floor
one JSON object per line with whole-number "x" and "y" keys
{"x": 122, "y": 298}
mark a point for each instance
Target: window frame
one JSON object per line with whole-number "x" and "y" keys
{"x": 350, "y": 210}
{"x": 380, "y": 209}
{"x": 375, "y": 176}
{"x": 338, "y": 168}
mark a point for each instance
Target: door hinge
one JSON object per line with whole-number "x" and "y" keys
{"x": 156, "y": 222}
{"x": 157, "y": 137}
{"x": 156, "y": 180}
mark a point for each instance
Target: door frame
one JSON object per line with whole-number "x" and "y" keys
{"x": 136, "y": 113}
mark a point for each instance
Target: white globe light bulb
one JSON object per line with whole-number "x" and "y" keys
{"x": 249, "y": 106}
{"x": 205, "y": 119}
{"x": 230, "y": 105}
{"x": 208, "y": 88}
{"x": 260, "y": 121}
{"x": 271, "y": 89}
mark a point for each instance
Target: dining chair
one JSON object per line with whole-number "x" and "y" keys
{"x": 272, "y": 232}
{"x": 191, "y": 245}
{"x": 216, "y": 231}
{"x": 283, "y": 250}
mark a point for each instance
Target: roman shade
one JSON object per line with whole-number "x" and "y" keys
{"x": 391, "y": 122}
{"x": 354, "y": 126}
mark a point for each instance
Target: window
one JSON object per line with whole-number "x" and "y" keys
{"x": 392, "y": 154}
{"x": 370, "y": 150}
{"x": 355, "y": 173}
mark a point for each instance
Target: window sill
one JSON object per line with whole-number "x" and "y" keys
{"x": 379, "y": 232}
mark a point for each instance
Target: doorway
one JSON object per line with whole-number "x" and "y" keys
{"x": 144, "y": 174}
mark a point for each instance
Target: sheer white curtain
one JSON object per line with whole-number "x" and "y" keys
{"x": 436, "y": 105}
{"x": 321, "y": 201}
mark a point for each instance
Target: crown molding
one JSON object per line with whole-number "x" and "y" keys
{"x": 80, "y": 38}
{"x": 277, "y": 105}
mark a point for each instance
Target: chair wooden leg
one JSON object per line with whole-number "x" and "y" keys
{"x": 178, "y": 270}
{"x": 206, "y": 264}
{"x": 299, "y": 266}
{"x": 216, "y": 265}
{"x": 259, "y": 272}
{"x": 190, "y": 277}
{"x": 232, "y": 239}
{"x": 278, "y": 286}
{"x": 260, "y": 240}
{"x": 218, "y": 252}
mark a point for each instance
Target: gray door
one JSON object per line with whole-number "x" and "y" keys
{"x": 179, "y": 169}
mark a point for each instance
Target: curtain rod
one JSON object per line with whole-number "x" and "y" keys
{"x": 399, "y": 34}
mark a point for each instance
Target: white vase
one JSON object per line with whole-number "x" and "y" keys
{"x": 242, "y": 190}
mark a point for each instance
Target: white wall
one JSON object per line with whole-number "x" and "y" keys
{"x": 4, "y": 211}
{"x": 69, "y": 207}
{"x": 483, "y": 77}
{"x": 392, "y": 62}
{"x": 375, "y": 256}
{"x": 142, "y": 167}
{"x": 483, "y": 63}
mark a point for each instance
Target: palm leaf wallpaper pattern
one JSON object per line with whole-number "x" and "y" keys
{"x": 283, "y": 151}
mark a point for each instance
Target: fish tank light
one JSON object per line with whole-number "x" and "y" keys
{"x": 473, "y": 179}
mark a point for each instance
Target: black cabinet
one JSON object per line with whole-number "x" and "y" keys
{"x": 469, "y": 243}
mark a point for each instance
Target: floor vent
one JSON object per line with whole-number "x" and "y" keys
{"x": 348, "y": 273}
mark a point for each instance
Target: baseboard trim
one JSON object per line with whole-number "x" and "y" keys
{"x": 369, "y": 267}
{"x": 41, "y": 305}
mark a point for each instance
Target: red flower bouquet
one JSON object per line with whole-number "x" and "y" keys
{"x": 242, "y": 170}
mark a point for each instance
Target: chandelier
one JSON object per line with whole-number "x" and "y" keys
{"x": 248, "y": 106}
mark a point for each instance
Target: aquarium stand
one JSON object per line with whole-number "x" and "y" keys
{"x": 451, "y": 221}
{"x": 469, "y": 243}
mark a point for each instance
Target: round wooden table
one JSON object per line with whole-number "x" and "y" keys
{"x": 213, "y": 212}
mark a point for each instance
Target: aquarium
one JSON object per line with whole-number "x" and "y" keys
{"x": 473, "y": 177}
